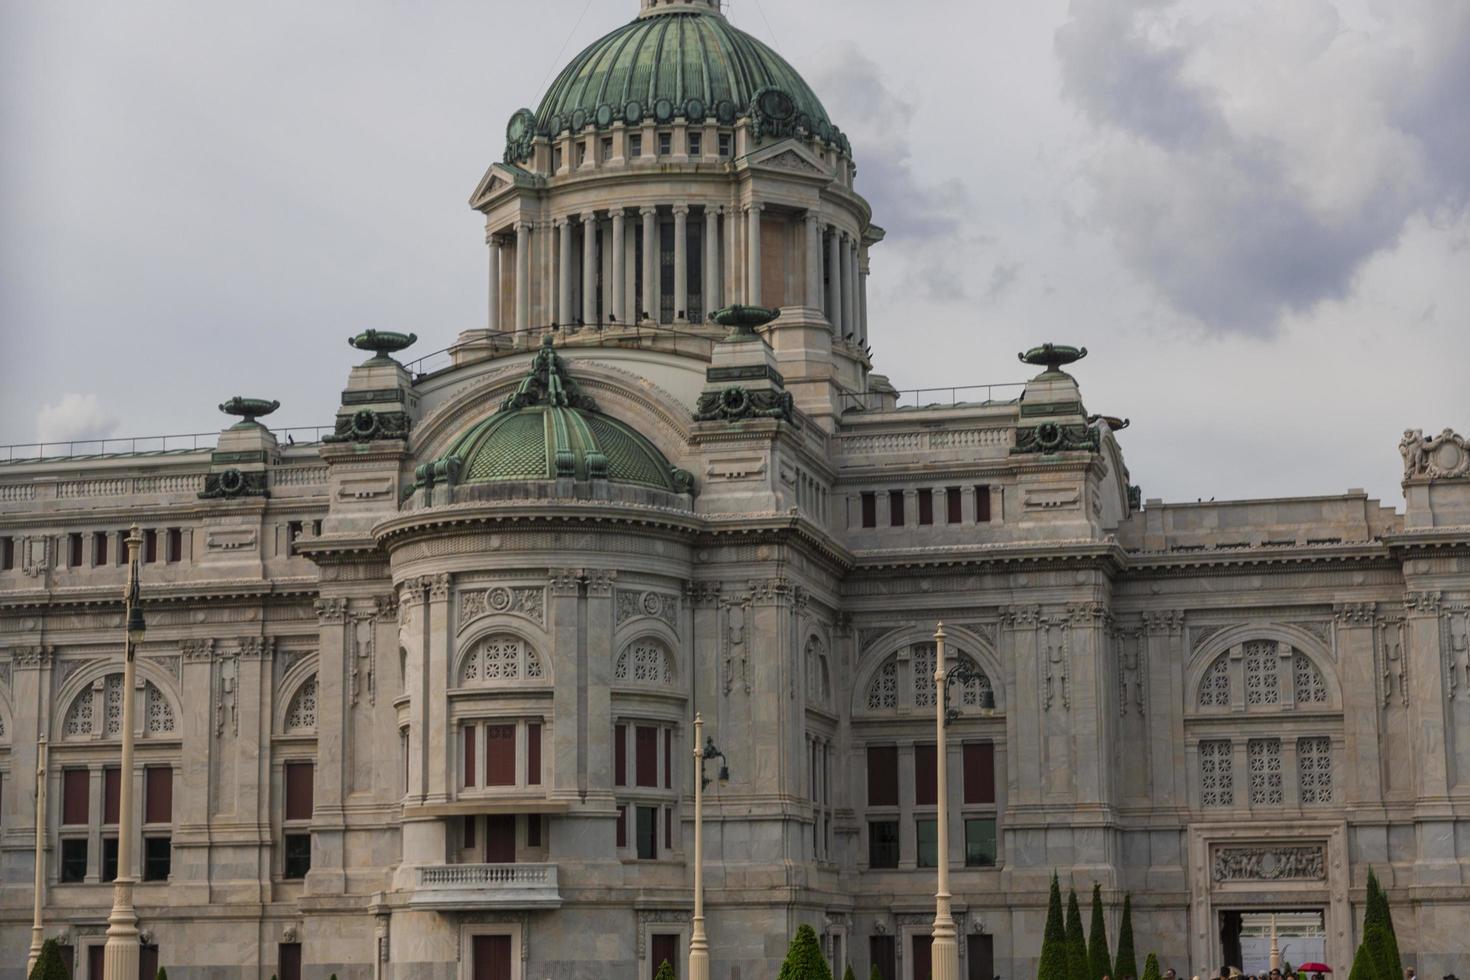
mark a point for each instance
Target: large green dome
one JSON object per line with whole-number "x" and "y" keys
{"x": 687, "y": 63}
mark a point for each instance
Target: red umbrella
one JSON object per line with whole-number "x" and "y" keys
{"x": 1315, "y": 968}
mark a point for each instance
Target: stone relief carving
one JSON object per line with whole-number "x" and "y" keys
{"x": 35, "y": 556}
{"x": 439, "y": 588}
{"x": 1054, "y": 643}
{"x": 632, "y": 604}
{"x": 737, "y": 657}
{"x": 198, "y": 649}
{"x": 1322, "y": 631}
{"x": 1422, "y": 601}
{"x": 1442, "y": 457}
{"x": 1132, "y": 670}
{"x": 257, "y": 647}
{"x": 362, "y": 645}
{"x": 1270, "y": 863}
{"x": 31, "y": 656}
{"x": 65, "y": 668}
{"x": 1355, "y": 613}
{"x": 226, "y": 711}
{"x": 1456, "y": 633}
{"x": 599, "y": 580}
{"x": 565, "y": 581}
{"x": 1199, "y": 635}
{"x": 1393, "y": 666}
{"x": 330, "y": 610}
{"x": 648, "y": 917}
{"x": 527, "y": 601}
{"x": 169, "y": 663}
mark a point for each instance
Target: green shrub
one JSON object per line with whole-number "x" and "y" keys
{"x": 875, "y": 973}
{"x": 1386, "y": 956}
{"x": 161, "y": 975}
{"x": 1055, "y": 963}
{"x": 1363, "y": 966}
{"x": 1127, "y": 963}
{"x": 49, "y": 965}
{"x": 847, "y": 974}
{"x": 665, "y": 971}
{"x": 804, "y": 960}
{"x": 1076, "y": 941}
{"x": 1099, "y": 961}
{"x": 1151, "y": 967}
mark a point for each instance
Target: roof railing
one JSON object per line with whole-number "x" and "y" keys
{"x": 602, "y": 333}
{"x": 915, "y": 398}
{"x": 175, "y": 444}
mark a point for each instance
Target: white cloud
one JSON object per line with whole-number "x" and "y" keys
{"x": 74, "y": 417}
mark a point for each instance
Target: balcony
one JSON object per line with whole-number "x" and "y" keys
{"x": 447, "y": 887}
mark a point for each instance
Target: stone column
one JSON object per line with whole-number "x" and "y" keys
{"x": 629, "y": 312}
{"x": 328, "y": 820}
{"x": 711, "y": 260}
{"x": 650, "y": 261}
{"x": 834, "y": 281}
{"x": 862, "y": 302}
{"x": 619, "y": 236}
{"x": 564, "y": 284}
{"x": 813, "y": 260}
{"x": 523, "y": 276}
{"x": 849, "y": 287}
{"x": 589, "y": 268}
{"x": 753, "y": 256}
{"x": 681, "y": 263}
{"x": 493, "y": 296}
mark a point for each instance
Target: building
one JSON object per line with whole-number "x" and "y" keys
{"x": 415, "y": 701}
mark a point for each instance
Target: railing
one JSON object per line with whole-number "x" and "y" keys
{"x": 876, "y": 401}
{"x": 187, "y": 442}
{"x": 488, "y": 875}
{"x": 611, "y": 334}
{"x": 460, "y": 886}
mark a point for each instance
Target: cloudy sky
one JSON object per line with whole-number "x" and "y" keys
{"x": 1252, "y": 212}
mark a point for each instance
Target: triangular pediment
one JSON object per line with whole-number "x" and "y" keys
{"x": 498, "y": 179}
{"x": 789, "y": 157}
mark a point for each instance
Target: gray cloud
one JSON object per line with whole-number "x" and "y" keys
{"x": 74, "y": 417}
{"x": 1250, "y": 163}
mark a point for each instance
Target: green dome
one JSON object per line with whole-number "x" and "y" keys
{"x": 549, "y": 430}
{"x": 689, "y": 64}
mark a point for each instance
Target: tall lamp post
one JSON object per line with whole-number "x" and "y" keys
{"x": 945, "y": 951}
{"x": 121, "y": 955}
{"x": 37, "y": 937}
{"x": 704, "y": 750}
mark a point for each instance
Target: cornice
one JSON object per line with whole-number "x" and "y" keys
{"x": 1080, "y": 553}
{"x": 1364, "y": 553}
{"x": 533, "y": 514}
{"x": 153, "y": 595}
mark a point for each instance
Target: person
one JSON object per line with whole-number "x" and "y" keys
{"x": 1170, "y": 974}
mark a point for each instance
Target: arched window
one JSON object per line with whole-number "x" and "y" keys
{"x": 83, "y": 717}
{"x": 644, "y": 662}
{"x": 1214, "y": 687}
{"x": 500, "y": 658}
{"x": 301, "y": 714}
{"x": 818, "y": 677}
{"x": 883, "y": 688}
{"x": 1311, "y": 688}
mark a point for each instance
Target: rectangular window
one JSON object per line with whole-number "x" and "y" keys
{"x": 158, "y": 794}
{"x": 696, "y": 144}
{"x": 665, "y": 144}
{"x": 581, "y": 152}
{"x": 299, "y": 790}
{"x": 663, "y": 948}
{"x": 954, "y": 506}
{"x": 150, "y": 546}
{"x": 926, "y": 776}
{"x": 109, "y": 859}
{"x": 75, "y": 791}
{"x": 647, "y": 832}
{"x": 1265, "y": 767}
{"x": 1216, "y": 773}
{"x": 668, "y": 758}
{"x": 556, "y": 156}
{"x": 883, "y": 775}
{"x": 74, "y": 859}
{"x": 111, "y": 793}
{"x": 99, "y": 548}
{"x": 870, "y": 509}
{"x": 725, "y": 144}
{"x": 122, "y": 547}
{"x": 635, "y": 145}
{"x": 175, "y": 540}
{"x": 979, "y": 772}
{"x": 606, "y": 148}
{"x": 979, "y": 842}
{"x": 467, "y": 832}
{"x": 926, "y": 506}
{"x": 927, "y": 835}
{"x": 533, "y": 754}
{"x": 469, "y": 755}
{"x": 883, "y": 843}
{"x": 500, "y": 755}
{"x": 533, "y": 830}
{"x": 74, "y": 550}
{"x": 1314, "y": 769}
{"x": 157, "y": 858}
{"x": 297, "y": 857}
{"x": 620, "y": 755}
{"x": 895, "y": 508}
{"x": 293, "y": 531}
{"x": 982, "y": 505}
{"x": 645, "y": 755}
{"x": 668, "y": 828}
{"x": 7, "y": 554}
{"x": 622, "y": 838}
{"x": 881, "y": 954}
{"x": 289, "y": 961}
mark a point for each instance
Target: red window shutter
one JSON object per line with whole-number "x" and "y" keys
{"x": 979, "y": 772}
{"x": 300, "y": 789}
{"x": 883, "y": 775}
{"x": 645, "y": 739}
{"x": 500, "y": 755}
{"x": 74, "y": 793}
{"x": 533, "y": 755}
{"x": 926, "y": 777}
{"x": 620, "y": 755}
{"x": 622, "y": 826}
{"x": 111, "y": 794}
{"x": 668, "y": 758}
{"x": 469, "y": 755}
{"x": 158, "y": 795}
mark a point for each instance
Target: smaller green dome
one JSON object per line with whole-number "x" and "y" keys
{"x": 548, "y": 430}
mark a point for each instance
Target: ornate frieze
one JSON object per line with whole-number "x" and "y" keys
{"x": 1423, "y": 602}
{"x": 1442, "y": 457}
{"x": 1132, "y": 670}
{"x": 257, "y": 647}
{"x": 1393, "y": 666}
{"x": 1455, "y": 641}
{"x": 1303, "y": 863}
{"x": 197, "y": 649}
{"x": 737, "y": 403}
{"x": 362, "y": 655}
{"x": 1355, "y": 613}
{"x": 171, "y": 664}
{"x": 736, "y": 655}
{"x": 599, "y": 580}
{"x": 226, "y": 684}
{"x": 330, "y": 611}
{"x": 1167, "y": 621}
{"x": 565, "y": 581}
{"x": 527, "y": 601}
{"x": 1054, "y": 637}
{"x": 368, "y": 425}
{"x": 231, "y": 483}
{"x": 1020, "y": 617}
{"x": 439, "y": 587}
{"x": 1055, "y": 437}
{"x": 31, "y": 657}
{"x": 632, "y": 604}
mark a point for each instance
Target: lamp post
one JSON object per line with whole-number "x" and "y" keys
{"x": 698, "y": 944}
{"x": 37, "y": 937}
{"x": 120, "y": 957}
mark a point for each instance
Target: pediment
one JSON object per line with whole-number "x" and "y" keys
{"x": 789, "y": 157}
{"x": 499, "y": 179}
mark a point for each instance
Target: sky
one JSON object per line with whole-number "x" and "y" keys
{"x": 1253, "y": 213}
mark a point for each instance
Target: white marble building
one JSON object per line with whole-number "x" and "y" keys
{"x": 416, "y": 701}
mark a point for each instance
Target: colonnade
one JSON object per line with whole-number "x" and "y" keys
{"x": 608, "y": 284}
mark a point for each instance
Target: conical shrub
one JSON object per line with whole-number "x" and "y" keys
{"x": 1126, "y": 964}
{"x": 1151, "y": 968}
{"x": 1099, "y": 962}
{"x": 847, "y": 974}
{"x": 1076, "y": 941}
{"x": 1363, "y": 966}
{"x": 1390, "y": 964}
{"x": 665, "y": 971}
{"x": 875, "y": 973}
{"x": 804, "y": 960}
{"x": 49, "y": 965}
{"x": 162, "y": 974}
{"x": 1055, "y": 963}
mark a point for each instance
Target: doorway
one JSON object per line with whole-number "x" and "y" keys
{"x": 492, "y": 958}
{"x": 1245, "y": 937}
{"x": 500, "y": 838}
{"x": 923, "y": 957}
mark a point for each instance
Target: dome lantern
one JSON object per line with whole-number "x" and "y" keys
{"x": 650, "y": 7}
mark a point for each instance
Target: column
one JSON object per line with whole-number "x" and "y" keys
{"x": 863, "y": 299}
{"x": 589, "y": 268}
{"x": 753, "y": 256}
{"x": 813, "y": 261}
{"x": 681, "y": 263}
{"x": 834, "y": 281}
{"x": 711, "y": 260}
{"x": 494, "y": 291}
{"x": 619, "y": 236}
{"x": 523, "y": 276}
{"x": 650, "y": 261}
{"x": 629, "y": 312}
{"x": 734, "y": 293}
{"x": 849, "y": 288}
{"x": 564, "y": 285}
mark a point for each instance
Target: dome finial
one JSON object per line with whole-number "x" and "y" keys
{"x": 648, "y": 8}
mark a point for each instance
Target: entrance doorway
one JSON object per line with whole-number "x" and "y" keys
{"x": 492, "y": 958}
{"x": 1245, "y": 937}
{"x": 923, "y": 958}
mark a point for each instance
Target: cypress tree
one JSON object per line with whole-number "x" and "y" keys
{"x": 1151, "y": 967}
{"x": 162, "y": 974}
{"x": 49, "y": 965}
{"x": 1076, "y": 941}
{"x": 665, "y": 971}
{"x": 804, "y": 960}
{"x": 1054, "y": 963}
{"x": 847, "y": 974}
{"x": 875, "y": 973}
{"x": 1363, "y": 965}
{"x": 1099, "y": 962}
{"x": 1127, "y": 963}
{"x": 1377, "y": 912}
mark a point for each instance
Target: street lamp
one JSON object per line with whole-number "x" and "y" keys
{"x": 945, "y": 945}
{"x": 37, "y": 937}
{"x": 121, "y": 955}
{"x": 698, "y": 944}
